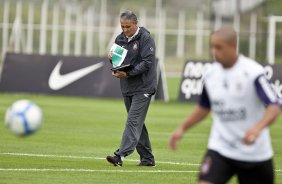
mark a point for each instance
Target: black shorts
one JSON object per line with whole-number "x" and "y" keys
{"x": 218, "y": 169}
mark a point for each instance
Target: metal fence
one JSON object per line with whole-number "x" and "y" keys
{"x": 51, "y": 27}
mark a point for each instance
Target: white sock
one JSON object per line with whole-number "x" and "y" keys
{"x": 122, "y": 158}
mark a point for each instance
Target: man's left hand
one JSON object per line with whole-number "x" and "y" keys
{"x": 251, "y": 136}
{"x": 119, "y": 74}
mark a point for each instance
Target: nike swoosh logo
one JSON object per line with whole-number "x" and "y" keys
{"x": 58, "y": 81}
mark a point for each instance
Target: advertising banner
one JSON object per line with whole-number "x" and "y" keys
{"x": 191, "y": 82}
{"x": 60, "y": 75}
{"x": 64, "y": 75}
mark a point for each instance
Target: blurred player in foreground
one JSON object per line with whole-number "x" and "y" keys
{"x": 243, "y": 105}
{"x": 137, "y": 86}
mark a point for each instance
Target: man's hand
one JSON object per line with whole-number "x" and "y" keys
{"x": 119, "y": 74}
{"x": 251, "y": 136}
{"x": 175, "y": 137}
{"x": 110, "y": 56}
{"x": 271, "y": 113}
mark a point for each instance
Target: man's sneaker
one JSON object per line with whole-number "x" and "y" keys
{"x": 147, "y": 163}
{"x": 115, "y": 160}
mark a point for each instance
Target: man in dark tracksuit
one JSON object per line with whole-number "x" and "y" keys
{"x": 137, "y": 85}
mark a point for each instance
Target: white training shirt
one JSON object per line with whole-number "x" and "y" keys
{"x": 237, "y": 97}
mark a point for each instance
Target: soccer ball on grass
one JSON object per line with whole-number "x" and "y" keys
{"x": 23, "y": 117}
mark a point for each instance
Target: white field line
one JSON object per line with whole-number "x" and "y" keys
{"x": 102, "y": 170}
{"x": 94, "y": 158}
{"x": 94, "y": 170}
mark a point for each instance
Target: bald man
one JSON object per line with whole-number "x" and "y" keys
{"x": 243, "y": 105}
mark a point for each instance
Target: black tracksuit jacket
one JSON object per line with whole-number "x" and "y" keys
{"x": 142, "y": 78}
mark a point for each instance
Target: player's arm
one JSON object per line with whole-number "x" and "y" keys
{"x": 273, "y": 109}
{"x": 198, "y": 114}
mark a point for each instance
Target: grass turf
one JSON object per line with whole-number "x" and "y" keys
{"x": 78, "y": 133}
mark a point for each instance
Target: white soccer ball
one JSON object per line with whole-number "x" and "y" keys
{"x": 23, "y": 117}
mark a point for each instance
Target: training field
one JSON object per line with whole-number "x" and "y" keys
{"x": 78, "y": 133}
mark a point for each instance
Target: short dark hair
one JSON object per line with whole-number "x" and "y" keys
{"x": 129, "y": 15}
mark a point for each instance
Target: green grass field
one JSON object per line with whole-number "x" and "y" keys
{"x": 78, "y": 133}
